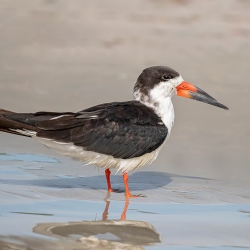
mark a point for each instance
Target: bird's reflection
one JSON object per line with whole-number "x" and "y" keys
{"x": 105, "y": 233}
{"x": 105, "y": 212}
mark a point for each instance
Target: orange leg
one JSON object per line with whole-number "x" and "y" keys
{"x": 123, "y": 215}
{"x": 127, "y": 193}
{"x": 107, "y": 173}
{"x": 106, "y": 211}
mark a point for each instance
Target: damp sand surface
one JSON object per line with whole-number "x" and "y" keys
{"x": 61, "y": 56}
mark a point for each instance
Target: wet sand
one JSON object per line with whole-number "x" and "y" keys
{"x": 66, "y": 56}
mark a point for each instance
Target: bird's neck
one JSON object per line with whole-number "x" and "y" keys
{"x": 162, "y": 106}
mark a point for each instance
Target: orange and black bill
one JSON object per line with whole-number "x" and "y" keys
{"x": 188, "y": 90}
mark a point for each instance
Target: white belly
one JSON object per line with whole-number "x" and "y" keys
{"x": 100, "y": 160}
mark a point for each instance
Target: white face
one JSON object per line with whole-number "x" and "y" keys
{"x": 161, "y": 91}
{"x": 166, "y": 88}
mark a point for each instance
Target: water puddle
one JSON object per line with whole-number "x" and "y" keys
{"x": 12, "y": 172}
{"x": 27, "y": 158}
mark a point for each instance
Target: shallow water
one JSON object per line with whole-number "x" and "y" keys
{"x": 84, "y": 223}
{"x": 61, "y": 56}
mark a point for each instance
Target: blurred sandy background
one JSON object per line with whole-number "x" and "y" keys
{"x": 59, "y": 55}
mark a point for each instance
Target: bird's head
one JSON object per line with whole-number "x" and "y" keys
{"x": 158, "y": 83}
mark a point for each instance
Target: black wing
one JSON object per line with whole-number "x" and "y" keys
{"x": 123, "y": 130}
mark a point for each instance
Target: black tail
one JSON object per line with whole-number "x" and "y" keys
{"x": 15, "y": 123}
{"x": 11, "y": 122}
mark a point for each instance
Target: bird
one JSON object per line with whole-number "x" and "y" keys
{"x": 123, "y": 136}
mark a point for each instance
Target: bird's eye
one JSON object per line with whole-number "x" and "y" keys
{"x": 166, "y": 77}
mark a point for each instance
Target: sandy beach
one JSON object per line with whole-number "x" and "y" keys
{"x": 58, "y": 55}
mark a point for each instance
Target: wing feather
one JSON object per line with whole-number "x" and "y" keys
{"x": 123, "y": 130}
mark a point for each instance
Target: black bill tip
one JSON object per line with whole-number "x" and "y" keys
{"x": 200, "y": 96}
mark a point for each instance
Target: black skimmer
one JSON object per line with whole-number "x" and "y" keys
{"x": 124, "y": 136}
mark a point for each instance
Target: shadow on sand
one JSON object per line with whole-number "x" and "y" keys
{"x": 144, "y": 180}
{"x": 137, "y": 181}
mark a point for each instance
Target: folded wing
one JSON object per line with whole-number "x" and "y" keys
{"x": 122, "y": 130}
